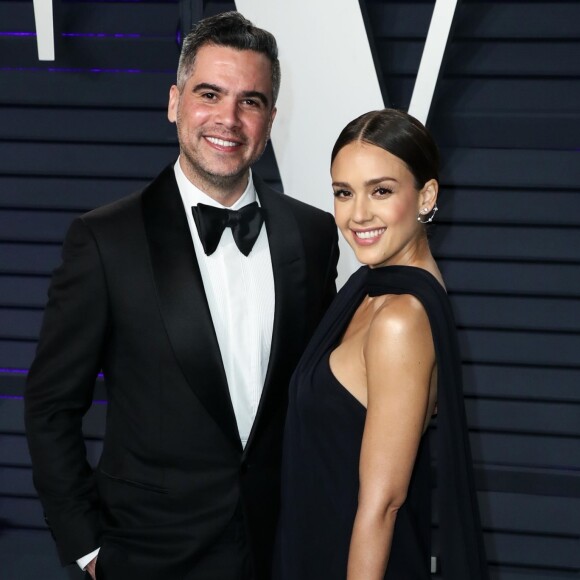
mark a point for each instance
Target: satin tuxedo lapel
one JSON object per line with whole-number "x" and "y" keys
{"x": 183, "y": 302}
{"x": 288, "y": 264}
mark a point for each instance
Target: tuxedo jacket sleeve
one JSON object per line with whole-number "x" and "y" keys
{"x": 128, "y": 300}
{"x": 59, "y": 392}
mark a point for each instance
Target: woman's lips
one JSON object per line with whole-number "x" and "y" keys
{"x": 368, "y": 237}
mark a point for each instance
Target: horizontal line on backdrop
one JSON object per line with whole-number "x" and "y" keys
{"x": 528, "y": 398}
{"x": 14, "y": 371}
{"x": 146, "y": 179}
{"x": 52, "y": 107}
{"x": 526, "y": 433}
{"x": 501, "y": 260}
{"x": 82, "y": 34}
{"x": 21, "y": 308}
{"x": 519, "y": 294}
{"x": 21, "y": 398}
{"x": 526, "y": 466}
{"x": 133, "y": 144}
{"x": 513, "y": 330}
{"x": 74, "y": 177}
{"x": 478, "y": 189}
{"x": 87, "y": 70}
{"x": 518, "y": 365}
{"x": 508, "y": 225}
{"x": 30, "y": 243}
{"x": 504, "y": 567}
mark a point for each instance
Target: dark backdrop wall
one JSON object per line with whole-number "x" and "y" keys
{"x": 91, "y": 127}
{"x": 507, "y": 118}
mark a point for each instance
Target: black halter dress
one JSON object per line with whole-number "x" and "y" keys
{"x": 322, "y": 443}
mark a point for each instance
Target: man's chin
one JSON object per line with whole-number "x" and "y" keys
{"x": 225, "y": 179}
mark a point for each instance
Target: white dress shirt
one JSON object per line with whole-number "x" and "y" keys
{"x": 240, "y": 294}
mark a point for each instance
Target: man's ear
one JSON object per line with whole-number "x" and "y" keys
{"x": 272, "y": 117}
{"x": 174, "y": 95}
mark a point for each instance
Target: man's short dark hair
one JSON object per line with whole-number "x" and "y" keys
{"x": 232, "y": 30}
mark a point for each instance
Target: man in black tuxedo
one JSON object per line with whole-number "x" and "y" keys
{"x": 196, "y": 329}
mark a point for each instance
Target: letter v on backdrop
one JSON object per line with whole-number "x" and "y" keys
{"x": 328, "y": 78}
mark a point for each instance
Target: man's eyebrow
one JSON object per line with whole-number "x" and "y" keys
{"x": 207, "y": 87}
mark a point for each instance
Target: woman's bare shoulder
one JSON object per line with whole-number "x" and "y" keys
{"x": 398, "y": 314}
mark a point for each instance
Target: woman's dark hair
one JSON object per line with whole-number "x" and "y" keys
{"x": 398, "y": 133}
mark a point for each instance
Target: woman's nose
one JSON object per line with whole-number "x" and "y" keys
{"x": 361, "y": 209}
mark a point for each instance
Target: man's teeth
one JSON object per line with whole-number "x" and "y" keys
{"x": 369, "y": 234}
{"x": 221, "y": 142}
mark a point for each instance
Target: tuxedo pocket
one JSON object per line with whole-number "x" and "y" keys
{"x": 133, "y": 483}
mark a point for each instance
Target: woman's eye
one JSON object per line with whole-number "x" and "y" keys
{"x": 381, "y": 191}
{"x": 341, "y": 193}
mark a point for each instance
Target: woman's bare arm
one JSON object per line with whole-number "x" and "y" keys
{"x": 399, "y": 359}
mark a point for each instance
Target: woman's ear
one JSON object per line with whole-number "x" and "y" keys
{"x": 428, "y": 195}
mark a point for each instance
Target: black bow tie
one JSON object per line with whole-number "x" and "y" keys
{"x": 246, "y": 224}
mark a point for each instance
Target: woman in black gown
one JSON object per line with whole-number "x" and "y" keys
{"x": 356, "y": 479}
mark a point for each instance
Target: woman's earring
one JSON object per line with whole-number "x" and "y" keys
{"x": 424, "y": 211}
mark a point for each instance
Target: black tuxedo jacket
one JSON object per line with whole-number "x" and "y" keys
{"x": 128, "y": 299}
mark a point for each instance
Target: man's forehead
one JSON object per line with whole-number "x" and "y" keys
{"x": 214, "y": 63}
{"x": 212, "y": 55}
{"x": 212, "y": 50}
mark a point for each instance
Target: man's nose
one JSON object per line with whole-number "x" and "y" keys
{"x": 228, "y": 113}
